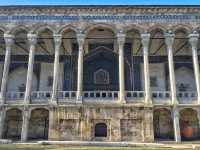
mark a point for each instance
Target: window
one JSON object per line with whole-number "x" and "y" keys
{"x": 153, "y": 82}
{"x": 101, "y": 77}
{"x": 50, "y": 81}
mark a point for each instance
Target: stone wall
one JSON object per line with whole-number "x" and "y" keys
{"x": 123, "y": 123}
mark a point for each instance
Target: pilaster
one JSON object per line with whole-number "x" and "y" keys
{"x": 176, "y": 124}
{"x": 2, "y": 120}
{"x": 25, "y": 124}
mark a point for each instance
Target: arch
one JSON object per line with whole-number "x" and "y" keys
{"x": 157, "y": 44}
{"x": 101, "y": 76}
{"x": 163, "y": 124}
{"x": 157, "y": 27}
{"x": 101, "y": 58}
{"x": 134, "y": 27}
{"x": 66, "y": 28}
{"x": 15, "y": 29}
{"x": 100, "y": 130}
{"x": 3, "y": 29}
{"x": 92, "y": 27}
{"x": 187, "y": 29}
{"x": 39, "y": 124}
{"x": 42, "y": 28}
{"x": 13, "y": 124}
{"x": 189, "y": 124}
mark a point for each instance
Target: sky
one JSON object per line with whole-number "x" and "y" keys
{"x": 99, "y": 2}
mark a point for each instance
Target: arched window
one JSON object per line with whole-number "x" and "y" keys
{"x": 100, "y": 130}
{"x": 101, "y": 76}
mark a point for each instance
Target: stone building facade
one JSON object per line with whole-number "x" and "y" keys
{"x": 100, "y": 73}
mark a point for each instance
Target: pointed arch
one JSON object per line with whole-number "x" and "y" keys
{"x": 92, "y": 27}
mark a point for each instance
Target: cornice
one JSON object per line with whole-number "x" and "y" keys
{"x": 107, "y": 9}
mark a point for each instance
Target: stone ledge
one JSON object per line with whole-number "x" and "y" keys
{"x": 5, "y": 141}
{"x": 117, "y": 144}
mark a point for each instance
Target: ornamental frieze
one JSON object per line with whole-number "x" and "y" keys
{"x": 141, "y": 18}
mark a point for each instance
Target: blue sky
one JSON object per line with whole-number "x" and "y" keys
{"x": 99, "y": 2}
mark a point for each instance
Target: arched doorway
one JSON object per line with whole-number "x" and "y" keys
{"x": 39, "y": 124}
{"x": 13, "y": 124}
{"x": 163, "y": 124}
{"x": 101, "y": 64}
{"x": 189, "y": 124}
{"x": 100, "y": 130}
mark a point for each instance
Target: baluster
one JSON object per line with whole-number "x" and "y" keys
{"x": 70, "y": 94}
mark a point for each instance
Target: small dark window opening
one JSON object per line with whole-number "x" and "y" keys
{"x": 100, "y": 130}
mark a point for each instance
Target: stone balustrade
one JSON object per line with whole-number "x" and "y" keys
{"x": 158, "y": 97}
{"x": 101, "y": 95}
{"x": 134, "y": 95}
{"x": 160, "y": 94}
{"x": 187, "y": 97}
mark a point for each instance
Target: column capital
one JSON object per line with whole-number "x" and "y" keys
{"x": 145, "y": 37}
{"x": 121, "y": 37}
{"x": 80, "y": 38}
{"x": 57, "y": 39}
{"x": 9, "y": 39}
{"x": 32, "y": 38}
{"x": 169, "y": 38}
{"x": 193, "y": 39}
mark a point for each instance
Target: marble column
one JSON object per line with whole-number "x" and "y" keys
{"x": 120, "y": 41}
{"x": 25, "y": 125}
{"x": 81, "y": 40}
{"x": 2, "y": 121}
{"x": 169, "y": 39}
{"x": 176, "y": 124}
{"x": 193, "y": 39}
{"x": 145, "y": 37}
{"x": 57, "y": 41}
{"x": 9, "y": 40}
{"x": 32, "y": 39}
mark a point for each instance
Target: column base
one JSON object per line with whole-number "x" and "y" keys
{"x": 53, "y": 102}
{"x": 122, "y": 101}
{"x": 148, "y": 101}
{"x": 198, "y": 102}
{"x": 79, "y": 100}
